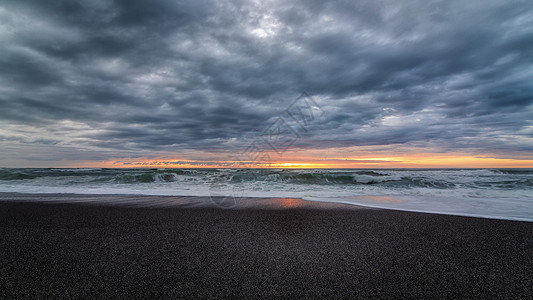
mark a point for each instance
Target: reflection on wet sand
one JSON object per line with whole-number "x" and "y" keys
{"x": 223, "y": 202}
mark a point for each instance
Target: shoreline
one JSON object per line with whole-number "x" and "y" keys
{"x": 164, "y": 201}
{"x": 51, "y": 249}
{"x": 172, "y": 201}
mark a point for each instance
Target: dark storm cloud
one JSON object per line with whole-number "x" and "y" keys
{"x": 165, "y": 75}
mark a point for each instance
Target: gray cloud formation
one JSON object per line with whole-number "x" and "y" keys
{"x": 132, "y": 77}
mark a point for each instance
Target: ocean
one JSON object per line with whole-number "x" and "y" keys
{"x": 490, "y": 193}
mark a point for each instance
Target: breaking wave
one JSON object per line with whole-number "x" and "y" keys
{"x": 505, "y": 193}
{"x": 393, "y": 178}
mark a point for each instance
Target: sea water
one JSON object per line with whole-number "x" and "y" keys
{"x": 493, "y": 193}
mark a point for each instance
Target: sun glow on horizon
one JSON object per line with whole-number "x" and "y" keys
{"x": 421, "y": 160}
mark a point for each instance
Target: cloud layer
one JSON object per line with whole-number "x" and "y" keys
{"x": 95, "y": 80}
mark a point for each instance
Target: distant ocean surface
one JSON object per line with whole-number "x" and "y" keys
{"x": 493, "y": 193}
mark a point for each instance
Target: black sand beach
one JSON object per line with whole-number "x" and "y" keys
{"x": 288, "y": 248}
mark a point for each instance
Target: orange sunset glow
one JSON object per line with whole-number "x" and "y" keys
{"x": 422, "y": 160}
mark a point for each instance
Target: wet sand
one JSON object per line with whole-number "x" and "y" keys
{"x": 282, "y": 248}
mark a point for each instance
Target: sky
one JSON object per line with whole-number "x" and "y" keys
{"x": 365, "y": 84}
